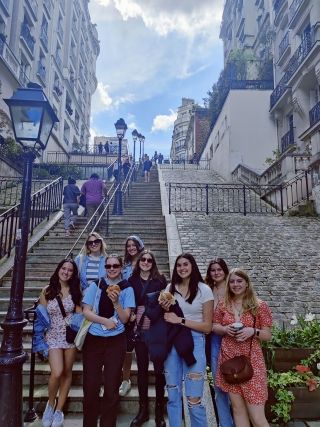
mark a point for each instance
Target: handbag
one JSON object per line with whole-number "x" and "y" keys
{"x": 238, "y": 369}
{"x": 135, "y": 334}
{"x": 70, "y": 333}
{"x": 85, "y": 325}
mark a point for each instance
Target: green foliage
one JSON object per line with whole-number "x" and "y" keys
{"x": 44, "y": 171}
{"x": 275, "y": 156}
{"x": 12, "y": 151}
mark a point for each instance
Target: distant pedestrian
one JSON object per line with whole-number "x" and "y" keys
{"x": 194, "y": 159}
{"x": 93, "y": 189}
{"x": 71, "y": 195}
{"x": 64, "y": 286}
{"x": 100, "y": 148}
{"x": 155, "y": 157}
{"x": 147, "y": 165}
{"x": 160, "y": 159}
{"x": 106, "y": 147}
{"x": 126, "y": 167}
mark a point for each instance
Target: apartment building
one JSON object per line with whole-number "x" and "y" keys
{"x": 180, "y": 129}
{"x": 295, "y": 101}
{"x": 198, "y": 131}
{"x": 55, "y": 44}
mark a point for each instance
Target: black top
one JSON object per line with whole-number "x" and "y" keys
{"x": 70, "y": 193}
{"x": 139, "y": 286}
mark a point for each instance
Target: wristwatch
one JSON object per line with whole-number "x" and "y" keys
{"x": 257, "y": 332}
{"x": 183, "y": 321}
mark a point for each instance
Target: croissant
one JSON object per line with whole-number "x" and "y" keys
{"x": 166, "y": 296}
{"x": 113, "y": 288}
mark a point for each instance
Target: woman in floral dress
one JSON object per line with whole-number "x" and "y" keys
{"x": 242, "y": 305}
{"x": 64, "y": 283}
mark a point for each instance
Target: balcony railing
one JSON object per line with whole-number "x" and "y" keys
{"x": 277, "y": 5}
{"x": 295, "y": 61}
{"x": 294, "y": 8}
{"x": 314, "y": 114}
{"x": 287, "y": 140}
{"x": 27, "y": 36}
{"x": 44, "y": 38}
{"x": 284, "y": 44}
{"x": 9, "y": 58}
{"x": 58, "y": 60}
{"x": 41, "y": 71}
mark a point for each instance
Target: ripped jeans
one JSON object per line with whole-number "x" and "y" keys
{"x": 176, "y": 370}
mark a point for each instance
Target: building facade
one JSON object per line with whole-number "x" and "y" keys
{"x": 181, "y": 124}
{"x": 198, "y": 131}
{"x": 55, "y": 44}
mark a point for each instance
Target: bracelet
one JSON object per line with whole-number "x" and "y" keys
{"x": 183, "y": 321}
{"x": 116, "y": 306}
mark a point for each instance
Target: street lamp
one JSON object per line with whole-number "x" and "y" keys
{"x": 32, "y": 119}
{"x": 140, "y": 137}
{"x": 143, "y": 139}
{"x": 134, "y": 137}
{"x": 121, "y": 128}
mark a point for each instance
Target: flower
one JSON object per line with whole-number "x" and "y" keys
{"x": 312, "y": 384}
{"x": 302, "y": 369}
{"x": 294, "y": 320}
{"x": 309, "y": 317}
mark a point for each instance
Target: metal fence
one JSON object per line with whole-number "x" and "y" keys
{"x": 238, "y": 198}
{"x": 43, "y": 203}
{"x": 186, "y": 164}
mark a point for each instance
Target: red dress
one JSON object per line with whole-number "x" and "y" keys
{"x": 254, "y": 391}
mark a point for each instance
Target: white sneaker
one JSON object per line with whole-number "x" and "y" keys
{"x": 47, "y": 416}
{"x": 58, "y": 418}
{"x": 125, "y": 387}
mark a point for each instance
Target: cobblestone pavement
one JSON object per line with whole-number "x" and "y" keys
{"x": 281, "y": 254}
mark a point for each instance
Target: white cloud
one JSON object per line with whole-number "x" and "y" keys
{"x": 163, "y": 122}
{"x": 104, "y": 96}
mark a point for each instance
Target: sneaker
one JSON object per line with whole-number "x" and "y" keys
{"x": 58, "y": 418}
{"x": 72, "y": 226}
{"x": 67, "y": 233}
{"x": 125, "y": 387}
{"x": 47, "y": 416}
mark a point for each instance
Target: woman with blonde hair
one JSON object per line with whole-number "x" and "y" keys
{"x": 244, "y": 320}
{"x": 91, "y": 260}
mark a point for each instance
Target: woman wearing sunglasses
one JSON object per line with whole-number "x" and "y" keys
{"x": 105, "y": 344}
{"x": 146, "y": 279}
{"x": 91, "y": 260}
{"x": 133, "y": 246}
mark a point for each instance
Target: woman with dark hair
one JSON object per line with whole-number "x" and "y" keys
{"x": 244, "y": 321}
{"x": 64, "y": 285}
{"x": 107, "y": 303}
{"x": 91, "y": 260}
{"x": 216, "y": 278}
{"x": 133, "y": 246}
{"x": 146, "y": 278}
{"x": 195, "y": 299}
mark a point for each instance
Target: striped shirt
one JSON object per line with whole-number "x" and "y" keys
{"x": 92, "y": 272}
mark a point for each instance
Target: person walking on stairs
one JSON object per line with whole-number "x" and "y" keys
{"x": 147, "y": 165}
{"x": 107, "y": 303}
{"x": 71, "y": 195}
{"x": 146, "y": 278}
{"x": 93, "y": 189}
{"x": 133, "y": 246}
{"x": 216, "y": 278}
{"x": 63, "y": 288}
{"x": 91, "y": 260}
{"x": 195, "y": 299}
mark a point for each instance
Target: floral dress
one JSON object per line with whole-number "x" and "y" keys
{"x": 254, "y": 391}
{"x": 56, "y": 334}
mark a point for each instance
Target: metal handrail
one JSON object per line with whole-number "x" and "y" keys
{"x": 43, "y": 202}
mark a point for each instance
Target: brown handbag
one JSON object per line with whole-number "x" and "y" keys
{"x": 238, "y": 369}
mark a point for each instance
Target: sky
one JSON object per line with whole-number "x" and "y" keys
{"x": 153, "y": 53}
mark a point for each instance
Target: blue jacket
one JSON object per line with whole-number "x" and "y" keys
{"x": 82, "y": 263}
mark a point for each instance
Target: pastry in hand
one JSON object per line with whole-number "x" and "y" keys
{"x": 166, "y": 296}
{"x": 113, "y": 288}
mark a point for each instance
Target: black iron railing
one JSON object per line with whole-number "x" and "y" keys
{"x": 10, "y": 189}
{"x": 283, "y": 44}
{"x": 43, "y": 203}
{"x": 314, "y": 114}
{"x": 239, "y": 198}
{"x": 287, "y": 140}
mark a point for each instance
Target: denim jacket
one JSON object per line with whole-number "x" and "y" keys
{"x": 41, "y": 325}
{"x": 82, "y": 263}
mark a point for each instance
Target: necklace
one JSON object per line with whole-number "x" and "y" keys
{"x": 238, "y": 311}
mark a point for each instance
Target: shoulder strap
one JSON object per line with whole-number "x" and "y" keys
{"x": 63, "y": 312}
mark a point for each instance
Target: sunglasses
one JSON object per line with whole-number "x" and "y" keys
{"x": 109, "y": 266}
{"x": 94, "y": 242}
{"x": 148, "y": 260}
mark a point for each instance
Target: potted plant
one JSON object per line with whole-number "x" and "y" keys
{"x": 294, "y": 394}
{"x": 291, "y": 344}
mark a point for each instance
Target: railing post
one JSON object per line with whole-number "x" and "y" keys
{"x": 281, "y": 199}
{"x": 108, "y": 216}
{"x": 307, "y": 184}
{"x": 207, "y": 199}
{"x": 244, "y": 201}
{"x": 169, "y": 197}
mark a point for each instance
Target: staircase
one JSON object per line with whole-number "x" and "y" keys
{"x": 142, "y": 216}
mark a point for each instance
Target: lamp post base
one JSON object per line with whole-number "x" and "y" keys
{"x": 30, "y": 416}
{"x": 117, "y": 206}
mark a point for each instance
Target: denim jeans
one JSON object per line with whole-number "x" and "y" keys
{"x": 70, "y": 213}
{"x": 176, "y": 370}
{"x": 222, "y": 398}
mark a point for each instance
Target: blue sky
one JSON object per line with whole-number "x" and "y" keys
{"x": 153, "y": 53}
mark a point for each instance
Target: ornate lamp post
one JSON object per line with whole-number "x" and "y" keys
{"x": 143, "y": 139}
{"x": 134, "y": 137}
{"x": 32, "y": 119}
{"x": 121, "y": 128}
{"x": 140, "y": 137}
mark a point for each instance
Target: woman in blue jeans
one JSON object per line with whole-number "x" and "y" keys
{"x": 196, "y": 301}
{"x": 216, "y": 277}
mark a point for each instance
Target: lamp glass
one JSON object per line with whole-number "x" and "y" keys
{"x": 26, "y": 121}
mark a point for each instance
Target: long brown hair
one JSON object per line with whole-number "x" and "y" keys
{"x": 221, "y": 262}
{"x": 154, "y": 272}
{"x": 250, "y": 301}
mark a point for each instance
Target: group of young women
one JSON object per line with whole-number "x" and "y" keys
{"x": 192, "y": 312}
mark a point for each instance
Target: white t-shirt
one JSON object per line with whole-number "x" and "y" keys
{"x": 194, "y": 311}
